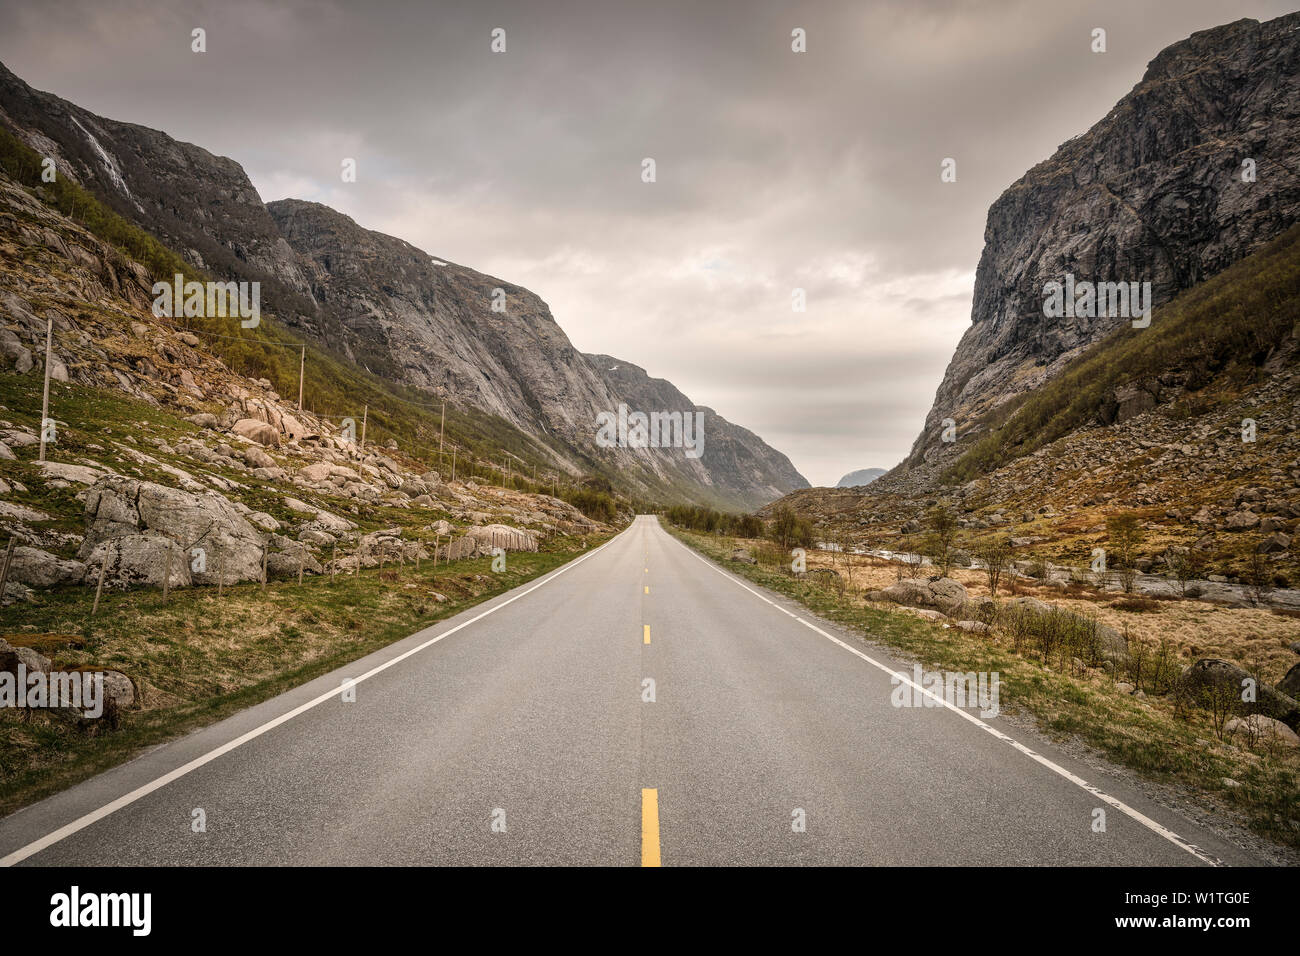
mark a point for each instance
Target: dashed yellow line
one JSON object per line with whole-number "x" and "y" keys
{"x": 647, "y": 589}
{"x": 645, "y": 634}
{"x": 649, "y": 827}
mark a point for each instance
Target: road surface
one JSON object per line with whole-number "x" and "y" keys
{"x": 519, "y": 732}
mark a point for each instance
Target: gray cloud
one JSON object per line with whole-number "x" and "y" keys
{"x": 775, "y": 170}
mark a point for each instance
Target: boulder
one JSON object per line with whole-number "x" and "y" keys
{"x": 502, "y": 536}
{"x": 13, "y": 349}
{"x": 742, "y": 555}
{"x": 81, "y": 474}
{"x": 941, "y": 594}
{"x": 283, "y": 565}
{"x": 1240, "y": 521}
{"x": 1210, "y": 675}
{"x": 11, "y": 657}
{"x": 1290, "y": 684}
{"x": 40, "y": 569}
{"x": 118, "y": 507}
{"x": 257, "y": 431}
{"x": 119, "y": 691}
{"x": 1275, "y": 543}
{"x": 204, "y": 420}
{"x": 256, "y": 458}
{"x": 317, "y": 471}
{"x": 138, "y": 559}
{"x": 1257, "y": 727}
{"x": 388, "y": 545}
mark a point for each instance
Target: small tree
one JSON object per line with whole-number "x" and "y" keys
{"x": 995, "y": 552}
{"x": 1185, "y": 565}
{"x": 943, "y": 534}
{"x": 1125, "y": 536}
{"x": 1258, "y": 576}
{"x": 784, "y": 525}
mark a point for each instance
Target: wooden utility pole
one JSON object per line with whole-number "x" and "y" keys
{"x": 364, "y": 415}
{"x": 302, "y": 367}
{"x": 45, "y": 400}
{"x": 442, "y": 427}
{"x": 453, "y": 464}
{"x": 99, "y": 588}
{"x": 4, "y": 572}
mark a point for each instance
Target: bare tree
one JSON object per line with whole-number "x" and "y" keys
{"x": 1125, "y": 536}
{"x": 943, "y": 534}
{"x": 1184, "y": 564}
{"x": 995, "y": 552}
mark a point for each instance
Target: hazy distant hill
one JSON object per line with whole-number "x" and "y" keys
{"x": 863, "y": 476}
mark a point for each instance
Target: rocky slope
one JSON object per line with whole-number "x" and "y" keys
{"x": 160, "y": 449}
{"x": 734, "y": 458}
{"x": 377, "y": 301}
{"x": 1153, "y": 192}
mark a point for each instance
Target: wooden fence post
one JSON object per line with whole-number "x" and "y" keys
{"x": 99, "y": 588}
{"x": 4, "y": 572}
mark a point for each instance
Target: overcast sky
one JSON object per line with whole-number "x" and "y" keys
{"x": 775, "y": 169}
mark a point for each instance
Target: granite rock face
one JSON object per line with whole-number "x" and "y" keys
{"x": 1154, "y": 192}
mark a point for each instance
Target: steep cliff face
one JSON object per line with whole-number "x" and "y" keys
{"x": 735, "y": 461}
{"x": 431, "y": 324}
{"x": 1152, "y": 193}
{"x": 202, "y": 206}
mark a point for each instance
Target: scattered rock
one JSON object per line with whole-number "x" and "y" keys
{"x": 1257, "y": 727}
{"x": 257, "y": 431}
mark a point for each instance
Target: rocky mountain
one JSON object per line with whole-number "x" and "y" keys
{"x": 159, "y": 448}
{"x": 753, "y": 471}
{"x": 1198, "y": 166}
{"x": 863, "y": 476}
{"x": 381, "y": 304}
{"x": 1189, "y": 423}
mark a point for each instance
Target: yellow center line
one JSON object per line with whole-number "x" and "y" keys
{"x": 649, "y": 827}
{"x": 647, "y": 589}
{"x": 645, "y": 634}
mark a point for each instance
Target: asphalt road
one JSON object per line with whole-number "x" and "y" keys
{"x": 518, "y": 733}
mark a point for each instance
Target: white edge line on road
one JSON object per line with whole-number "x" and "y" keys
{"x": 65, "y": 831}
{"x": 1137, "y": 815}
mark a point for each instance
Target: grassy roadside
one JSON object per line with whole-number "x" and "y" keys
{"x": 197, "y": 659}
{"x": 1145, "y": 734}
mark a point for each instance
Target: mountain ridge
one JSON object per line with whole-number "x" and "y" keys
{"x": 388, "y": 309}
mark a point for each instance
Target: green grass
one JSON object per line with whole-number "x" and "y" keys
{"x": 1144, "y": 735}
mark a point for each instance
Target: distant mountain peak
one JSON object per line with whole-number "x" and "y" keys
{"x": 863, "y": 476}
